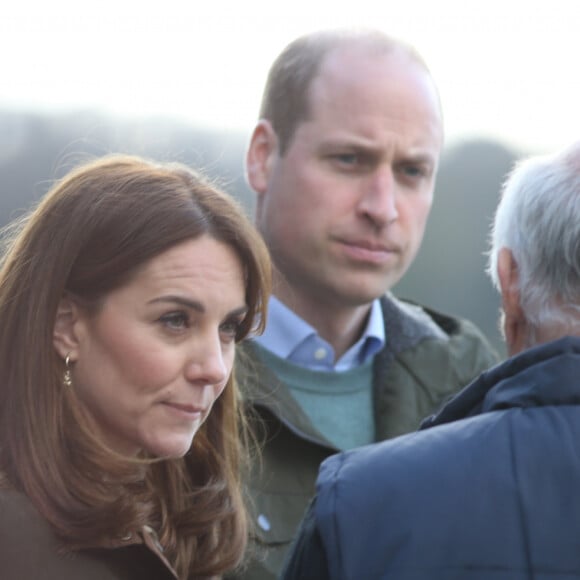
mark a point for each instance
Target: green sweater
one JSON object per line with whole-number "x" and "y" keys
{"x": 339, "y": 403}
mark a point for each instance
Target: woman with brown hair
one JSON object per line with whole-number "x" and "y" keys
{"x": 122, "y": 297}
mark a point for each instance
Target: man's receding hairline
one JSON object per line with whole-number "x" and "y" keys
{"x": 397, "y": 49}
{"x": 374, "y": 44}
{"x": 312, "y": 51}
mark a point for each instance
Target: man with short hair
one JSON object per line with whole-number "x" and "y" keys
{"x": 489, "y": 487}
{"x": 343, "y": 161}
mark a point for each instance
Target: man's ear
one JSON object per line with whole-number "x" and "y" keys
{"x": 260, "y": 156}
{"x": 65, "y": 334}
{"x": 515, "y": 324}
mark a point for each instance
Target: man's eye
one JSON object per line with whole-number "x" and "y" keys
{"x": 414, "y": 170}
{"x": 347, "y": 158}
{"x": 175, "y": 320}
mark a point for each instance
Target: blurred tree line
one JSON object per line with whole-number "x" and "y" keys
{"x": 448, "y": 274}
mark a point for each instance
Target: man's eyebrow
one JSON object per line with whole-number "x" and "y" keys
{"x": 425, "y": 158}
{"x": 349, "y": 143}
{"x": 359, "y": 145}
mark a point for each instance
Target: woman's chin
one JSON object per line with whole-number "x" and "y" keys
{"x": 173, "y": 449}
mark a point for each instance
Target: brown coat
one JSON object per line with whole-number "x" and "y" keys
{"x": 29, "y": 550}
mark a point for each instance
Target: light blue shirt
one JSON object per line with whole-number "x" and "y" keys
{"x": 291, "y": 338}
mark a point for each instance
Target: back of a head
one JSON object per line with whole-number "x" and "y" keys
{"x": 538, "y": 219}
{"x": 285, "y": 102}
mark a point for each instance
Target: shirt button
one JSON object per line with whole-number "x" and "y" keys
{"x": 264, "y": 522}
{"x": 320, "y": 353}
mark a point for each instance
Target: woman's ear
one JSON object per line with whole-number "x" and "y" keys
{"x": 65, "y": 337}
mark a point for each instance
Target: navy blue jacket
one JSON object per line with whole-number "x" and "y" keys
{"x": 489, "y": 489}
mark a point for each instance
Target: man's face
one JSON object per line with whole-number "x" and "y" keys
{"x": 343, "y": 211}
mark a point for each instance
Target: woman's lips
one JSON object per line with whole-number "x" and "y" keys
{"x": 191, "y": 411}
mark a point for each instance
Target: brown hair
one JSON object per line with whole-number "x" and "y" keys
{"x": 285, "y": 102}
{"x": 87, "y": 237}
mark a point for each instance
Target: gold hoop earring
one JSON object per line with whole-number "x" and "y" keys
{"x": 67, "y": 378}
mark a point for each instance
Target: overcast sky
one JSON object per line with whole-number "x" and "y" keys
{"x": 506, "y": 69}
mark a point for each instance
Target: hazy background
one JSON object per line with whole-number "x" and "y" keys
{"x": 182, "y": 80}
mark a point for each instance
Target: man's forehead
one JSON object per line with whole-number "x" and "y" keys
{"x": 356, "y": 77}
{"x": 363, "y": 52}
{"x": 359, "y": 69}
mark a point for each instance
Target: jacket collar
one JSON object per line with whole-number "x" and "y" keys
{"x": 543, "y": 375}
{"x": 406, "y": 325}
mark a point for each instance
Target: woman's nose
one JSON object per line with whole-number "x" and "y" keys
{"x": 207, "y": 363}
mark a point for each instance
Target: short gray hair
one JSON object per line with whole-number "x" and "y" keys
{"x": 538, "y": 219}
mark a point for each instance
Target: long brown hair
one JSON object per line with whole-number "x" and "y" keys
{"x": 85, "y": 238}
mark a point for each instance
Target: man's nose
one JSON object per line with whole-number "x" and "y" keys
{"x": 378, "y": 202}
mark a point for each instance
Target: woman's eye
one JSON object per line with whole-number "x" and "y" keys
{"x": 175, "y": 320}
{"x": 230, "y": 329}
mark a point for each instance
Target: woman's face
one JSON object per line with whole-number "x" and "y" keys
{"x": 153, "y": 360}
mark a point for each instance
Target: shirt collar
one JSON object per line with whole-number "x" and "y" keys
{"x": 290, "y": 337}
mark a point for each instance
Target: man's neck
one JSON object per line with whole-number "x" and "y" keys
{"x": 341, "y": 326}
